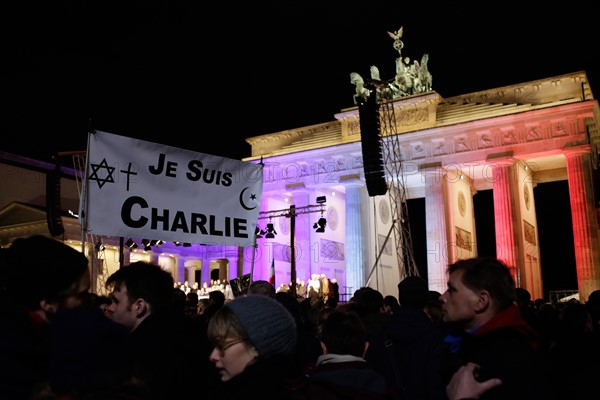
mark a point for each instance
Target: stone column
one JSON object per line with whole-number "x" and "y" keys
{"x": 585, "y": 223}
{"x": 505, "y": 220}
{"x": 205, "y": 265}
{"x": 179, "y": 273}
{"x": 302, "y": 233}
{"x": 233, "y": 263}
{"x": 436, "y": 227}
{"x": 355, "y": 242}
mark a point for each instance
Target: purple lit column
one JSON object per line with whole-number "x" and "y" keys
{"x": 302, "y": 236}
{"x": 355, "y": 262}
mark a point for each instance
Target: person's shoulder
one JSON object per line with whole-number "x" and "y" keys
{"x": 322, "y": 390}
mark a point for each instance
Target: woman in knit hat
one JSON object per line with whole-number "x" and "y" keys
{"x": 254, "y": 339}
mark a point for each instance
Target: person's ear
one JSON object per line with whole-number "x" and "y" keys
{"x": 140, "y": 307}
{"x": 323, "y": 347}
{"x": 483, "y": 301}
{"x": 48, "y": 308}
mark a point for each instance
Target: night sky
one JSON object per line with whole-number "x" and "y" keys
{"x": 205, "y": 77}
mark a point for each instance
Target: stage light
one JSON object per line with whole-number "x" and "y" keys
{"x": 270, "y": 231}
{"x": 259, "y": 233}
{"x": 146, "y": 244}
{"x": 131, "y": 244}
{"x": 320, "y": 225}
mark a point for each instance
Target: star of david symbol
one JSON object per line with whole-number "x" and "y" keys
{"x": 99, "y": 167}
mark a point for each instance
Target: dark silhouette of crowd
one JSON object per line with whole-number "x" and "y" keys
{"x": 482, "y": 338}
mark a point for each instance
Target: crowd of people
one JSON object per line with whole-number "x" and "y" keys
{"x": 482, "y": 338}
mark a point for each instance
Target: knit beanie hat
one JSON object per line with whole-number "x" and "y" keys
{"x": 41, "y": 268}
{"x": 269, "y": 326}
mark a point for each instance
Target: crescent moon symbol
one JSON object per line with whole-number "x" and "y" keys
{"x": 244, "y": 206}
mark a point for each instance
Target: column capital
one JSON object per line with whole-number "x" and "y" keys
{"x": 577, "y": 150}
{"x": 431, "y": 168}
{"x": 351, "y": 180}
{"x": 508, "y": 161}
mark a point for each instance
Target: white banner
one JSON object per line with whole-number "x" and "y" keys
{"x": 146, "y": 190}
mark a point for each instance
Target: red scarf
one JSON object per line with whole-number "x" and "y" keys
{"x": 509, "y": 318}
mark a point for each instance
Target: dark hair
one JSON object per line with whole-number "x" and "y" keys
{"x": 368, "y": 301}
{"x": 523, "y": 297}
{"x": 412, "y": 292}
{"x": 392, "y": 302}
{"x": 488, "y": 273}
{"x": 146, "y": 281}
{"x": 262, "y": 287}
{"x": 225, "y": 324}
{"x": 217, "y": 297}
{"x": 343, "y": 333}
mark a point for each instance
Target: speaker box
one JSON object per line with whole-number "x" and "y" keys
{"x": 370, "y": 137}
{"x": 53, "y": 204}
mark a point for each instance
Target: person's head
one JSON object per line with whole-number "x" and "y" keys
{"x": 478, "y": 288}
{"x": 178, "y": 300}
{"x": 262, "y": 287}
{"x": 412, "y": 292}
{"x": 216, "y": 299}
{"x": 576, "y": 317}
{"x": 138, "y": 290}
{"x": 593, "y": 305}
{"x": 248, "y": 329}
{"x": 103, "y": 302}
{"x": 523, "y": 297}
{"x": 343, "y": 333}
{"x": 290, "y": 302}
{"x": 201, "y": 306}
{"x": 594, "y": 298}
{"x": 60, "y": 278}
{"x": 433, "y": 308}
{"x": 390, "y": 304}
{"x": 369, "y": 301}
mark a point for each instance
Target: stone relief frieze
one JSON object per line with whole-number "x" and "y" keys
{"x": 486, "y": 140}
{"x": 534, "y": 133}
{"x": 330, "y": 167}
{"x": 439, "y": 147}
{"x": 353, "y": 128}
{"x": 418, "y": 150}
{"x": 559, "y": 129}
{"x": 509, "y": 137}
{"x": 410, "y": 117}
{"x": 461, "y": 144}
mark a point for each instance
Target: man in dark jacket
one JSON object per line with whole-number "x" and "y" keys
{"x": 54, "y": 340}
{"x": 481, "y": 302}
{"x": 142, "y": 295}
{"x": 341, "y": 371}
{"x": 413, "y": 348}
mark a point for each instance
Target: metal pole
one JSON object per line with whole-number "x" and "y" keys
{"x": 254, "y": 247}
{"x": 380, "y": 253}
{"x": 293, "y": 249}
